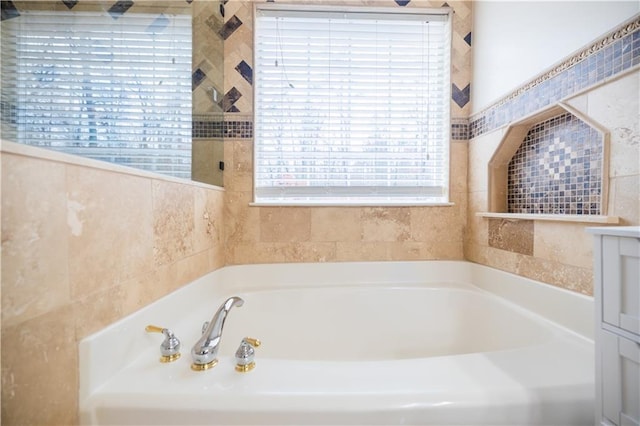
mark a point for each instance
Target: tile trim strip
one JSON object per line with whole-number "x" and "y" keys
{"x": 520, "y": 103}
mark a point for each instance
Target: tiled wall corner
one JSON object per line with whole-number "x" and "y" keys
{"x": 308, "y": 234}
{"x": 601, "y": 83}
{"x": 94, "y": 244}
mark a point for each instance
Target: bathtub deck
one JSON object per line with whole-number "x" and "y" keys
{"x": 550, "y": 381}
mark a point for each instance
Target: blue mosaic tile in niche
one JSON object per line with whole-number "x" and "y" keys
{"x": 557, "y": 169}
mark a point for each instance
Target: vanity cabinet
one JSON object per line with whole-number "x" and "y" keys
{"x": 617, "y": 336}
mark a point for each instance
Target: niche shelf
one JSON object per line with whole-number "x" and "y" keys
{"x": 564, "y": 196}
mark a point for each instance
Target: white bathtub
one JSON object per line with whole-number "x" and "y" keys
{"x": 435, "y": 342}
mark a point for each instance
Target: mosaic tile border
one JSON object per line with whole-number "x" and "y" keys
{"x": 617, "y": 52}
{"x": 207, "y": 128}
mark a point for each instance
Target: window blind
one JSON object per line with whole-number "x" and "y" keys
{"x": 111, "y": 89}
{"x": 351, "y": 106}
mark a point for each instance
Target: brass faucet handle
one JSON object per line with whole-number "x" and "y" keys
{"x": 253, "y": 342}
{"x": 170, "y": 348}
{"x": 153, "y": 329}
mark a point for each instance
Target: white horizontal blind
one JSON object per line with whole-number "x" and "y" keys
{"x": 351, "y": 107}
{"x": 85, "y": 83}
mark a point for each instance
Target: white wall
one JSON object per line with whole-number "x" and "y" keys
{"x": 514, "y": 41}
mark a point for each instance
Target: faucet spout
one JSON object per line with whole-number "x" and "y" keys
{"x": 205, "y": 351}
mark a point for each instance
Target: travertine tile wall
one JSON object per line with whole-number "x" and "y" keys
{"x": 561, "y": 253}
{"x": 309, "y": 234}
{"x": 84, "y": 244}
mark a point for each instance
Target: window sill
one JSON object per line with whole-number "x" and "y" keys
{"x": 552, "y": 217}
{"x": 347, "y": 204}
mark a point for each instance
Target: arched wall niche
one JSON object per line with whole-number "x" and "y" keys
{"x": 552, "y": 165}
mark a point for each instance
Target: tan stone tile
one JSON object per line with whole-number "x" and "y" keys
{"x": 361, "y": 251}
{"x": 240, "y": 177}
{"x": 611, "y": 106}
{"x": 563, "y": 242}
{"x": 284, "y": 252}
{"x": 192, "y": 267}
{"x": 436, "y": 225}
{"x": 140, "y": 291}
{"x": 458, "y": 172}
{"x": 207, "y": 153}
{"x": 285, "y": 224}
{"x": 558, "y": 274}
{"x": 336, "y": 224}
{"x": 626, "y": 201}
{"x": 173, "y": 221}
{"x": 208, "y": 220}
{"x": 242, "y": 222}
{"x": 35, "y": 276}
{"x": 111, "y": 230}
{"x": 407, "y": 250}
{"x": 40, "y": 371}
{"x": 481, "y": 149}
{"x": 99, "y": 309}
{"x": 386, "y": 224}
{"x": 511, "y": 235}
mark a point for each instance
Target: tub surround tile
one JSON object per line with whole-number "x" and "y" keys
{"x": 142, "y": 290}
{"x": 559, "y": 274}
{"x": 458, "y": 167}
{"x": 242, "y": 223}
{"x": 40, "y": 370}
{"x": 515, "y": 236}
{"x": 436, "y": 225}
{"x": 612, "y": 107}
{"x": 99, "y": 309}
{"x": 627, "y": 199}
{"x": 173, "y": 222}
{"x": 208, "y": 227}
{"x": 190, "y": 268}
{"x": 271, "y": 252}
{"x": 336, "y": 224}
{"x": 108, "y": 214}
{"x": 35, "y": 274}
{"x": 361, "y": 251}
{"x": 566, "y": 243}
{"x": 386, "y": 224}
{"x": 285, "y": 224}
{"x": 78, "y": 254}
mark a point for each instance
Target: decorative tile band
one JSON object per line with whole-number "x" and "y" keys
{"x": 203, "y": 128}
{"x": 206, "y": 128}
{"x": 617, "y": 52}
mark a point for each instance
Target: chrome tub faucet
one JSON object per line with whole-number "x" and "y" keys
{"x": 205, "y": 351}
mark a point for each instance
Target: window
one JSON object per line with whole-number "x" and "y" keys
{"x": 352, "y": 106}
{"x": 110, "y": 89}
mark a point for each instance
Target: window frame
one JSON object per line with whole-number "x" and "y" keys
{"x": 304, "y": 10}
